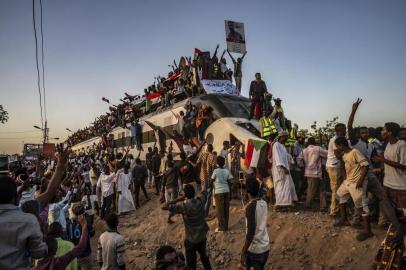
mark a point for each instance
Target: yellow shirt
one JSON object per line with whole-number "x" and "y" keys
{"x": 63, "y": 248}
{"x": 354, "y": 161}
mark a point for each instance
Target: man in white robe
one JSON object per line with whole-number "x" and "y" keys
{"x": 285, "y": 193}
{"x": 125, "y": 198}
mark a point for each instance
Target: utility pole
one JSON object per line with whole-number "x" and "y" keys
{"x": 46, "y": 131}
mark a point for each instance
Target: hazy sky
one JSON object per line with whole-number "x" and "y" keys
{"x": 317, "y": 56}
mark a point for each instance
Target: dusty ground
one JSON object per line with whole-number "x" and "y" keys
{"x": 300, "y": 240}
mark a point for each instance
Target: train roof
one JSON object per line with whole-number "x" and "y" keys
{"x": 220, "y": 103}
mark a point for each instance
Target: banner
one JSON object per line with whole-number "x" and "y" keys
{"x": 219, "y": 87}
{"x": 235, "y": 36}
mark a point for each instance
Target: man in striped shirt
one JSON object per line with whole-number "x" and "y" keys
{"x": 256, "y": 248}
{"x": 111, "y": 246}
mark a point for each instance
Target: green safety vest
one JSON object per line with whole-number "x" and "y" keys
{"x": 268, "y": 127}
{"x": 292, "y": 138}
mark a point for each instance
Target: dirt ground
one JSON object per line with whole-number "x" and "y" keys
{"x": 299, "y": 240}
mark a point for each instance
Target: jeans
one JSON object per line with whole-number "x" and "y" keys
{"x": 222, "y": 209}
{"x": 191, "y": 249}
{"x": 208, "y": 201}
{"x": 150, "y": 180}
{"x": 257, "y": 261}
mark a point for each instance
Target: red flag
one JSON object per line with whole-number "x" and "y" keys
{"x": 153, "y": 96}
{"x": 197, "y": 52}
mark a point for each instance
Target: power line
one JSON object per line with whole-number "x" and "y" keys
{"x": 43, "y": 64}
{"x": 36, "y": 61}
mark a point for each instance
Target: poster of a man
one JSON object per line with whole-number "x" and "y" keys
{"x": 235, "y": 36}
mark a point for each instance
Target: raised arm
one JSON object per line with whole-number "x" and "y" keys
{"x": 215, "y": 52}
{"x": 56, "y": 179}
{"x": 242, "y": 57}
{"x": 222, "y": 55}
{"x": 232, "y": 58}
{"x": 351, "y": 133}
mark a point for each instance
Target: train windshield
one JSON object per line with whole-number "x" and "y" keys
{"x": 228, "y": 106}
{"x": 236, "y": 106}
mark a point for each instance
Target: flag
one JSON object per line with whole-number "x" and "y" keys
{"x": 154, "y": 97}
{"x": 174, "y": 76}
{"x": 160, "y": 135}
{"x": 255, "y": 153}
{"x": 197, "y": 53}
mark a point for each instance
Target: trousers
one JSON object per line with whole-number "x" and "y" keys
{"x": 222, "y": 209}
{"x": 191, "y": 249}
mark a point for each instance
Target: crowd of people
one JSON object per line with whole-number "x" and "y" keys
{"x": 184, "y": 80}
{"x": 48, "y": 207}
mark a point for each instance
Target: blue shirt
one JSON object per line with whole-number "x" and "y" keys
{"x": 220, "y": 177}
{"x": 135, "y": 129}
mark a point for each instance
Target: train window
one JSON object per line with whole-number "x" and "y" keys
{"x": 148, "y": 137}
{"x": 210, "y": 138}
{"x": 233, "y": 139}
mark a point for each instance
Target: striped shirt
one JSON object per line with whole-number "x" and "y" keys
{"x": 110, "y": 250}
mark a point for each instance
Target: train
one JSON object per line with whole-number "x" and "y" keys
{"x": 230, "y": 123}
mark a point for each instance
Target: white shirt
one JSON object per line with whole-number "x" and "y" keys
{"x": 312, "y": 156}
{"x": 332, "y": 160}
{"x": 110, "y": 250}
{"x": 106, "y": 183}
{"x": 280, "y": 156}
{"x": 395, "y": 178}
{"x": 365, "y": 148}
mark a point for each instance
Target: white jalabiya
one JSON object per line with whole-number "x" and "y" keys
{"x": 285, "y": 193}
{"x": 125, "y": 199}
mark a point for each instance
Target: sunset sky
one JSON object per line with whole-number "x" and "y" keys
{"x": 318, "y": 56}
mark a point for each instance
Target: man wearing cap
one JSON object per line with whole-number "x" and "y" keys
{"x": 285, "y": 193}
